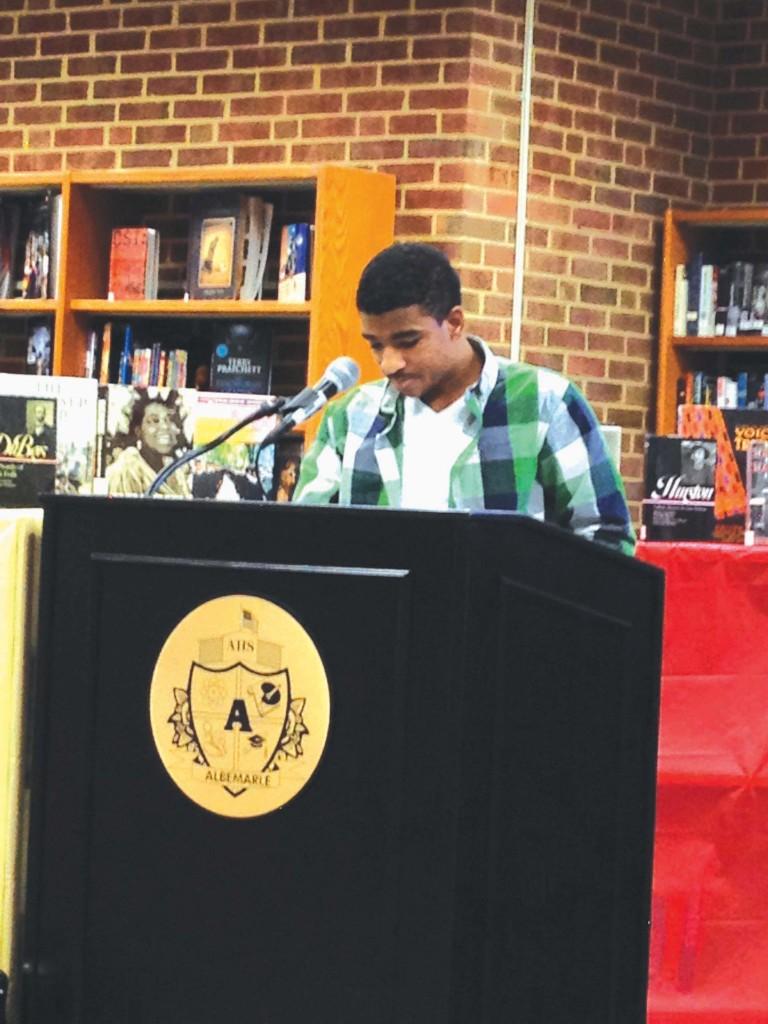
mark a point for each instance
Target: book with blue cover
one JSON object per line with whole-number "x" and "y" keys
{"x": 293, "y": 273}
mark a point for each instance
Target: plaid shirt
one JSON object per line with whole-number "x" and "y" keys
{"x": 534, "y": 446}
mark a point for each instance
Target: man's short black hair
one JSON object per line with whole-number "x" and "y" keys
{"x": 409, "y": 274}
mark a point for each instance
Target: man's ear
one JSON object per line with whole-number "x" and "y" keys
{"x": 455, "y": 321}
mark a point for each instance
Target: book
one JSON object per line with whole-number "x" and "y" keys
{"x": 288, "y": 455}
{"x": 227, "y": 472}
{"x": 679, "y": 502}
{"x": 732, "y": 430}
{"x": 57, "y": 202}
{"x": 707, "y": 300}
{"x": 37, "y": 250}
{"x": 680, "y": 308}
{"x": 76, "y": 413}
{"x": 257, "y": 234}
{"x": 293, "y": 273}
{"x": 693, "y": 273}
{"x": 39, "y": 349}
{"x": 27, "y": 449}
{"x": 216, "y": 241}
{"x": 756, "y": 524}
{"x": 141, "y": 430}
{"x": 133, "y": 263}
{"x": 241, "y": 359}
{"x": 105, "y": 357}
{"x": 759, "y": 303}
{"x": 10, "y": 214}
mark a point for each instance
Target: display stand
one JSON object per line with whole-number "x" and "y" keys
{"x": 475, "y": 842}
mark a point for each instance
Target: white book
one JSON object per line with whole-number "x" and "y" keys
{"x": 707, "y": 299}
{"x": 680, "y": 311}
{"x": 259, "y": 215}
{"x": 76, "y": 406}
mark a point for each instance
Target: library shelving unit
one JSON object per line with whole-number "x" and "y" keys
{"x": 722, "y": 234}
{"x": 16, "y": 315}
{"x": 352, "y": 213}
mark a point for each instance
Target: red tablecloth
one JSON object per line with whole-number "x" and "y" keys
{"x": 709, "y": 936}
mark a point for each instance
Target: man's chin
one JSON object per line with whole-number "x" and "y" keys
{"x": 410, "y": 386}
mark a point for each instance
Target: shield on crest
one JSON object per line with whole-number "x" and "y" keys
{"x": 239, "y": 715}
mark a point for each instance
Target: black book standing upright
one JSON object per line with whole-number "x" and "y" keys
{"x": 472, "y": 841}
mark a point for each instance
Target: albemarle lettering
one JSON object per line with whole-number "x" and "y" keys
{"x": 264, "y": 779}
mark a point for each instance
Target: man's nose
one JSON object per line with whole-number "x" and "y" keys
{"x": 391, "y": 360}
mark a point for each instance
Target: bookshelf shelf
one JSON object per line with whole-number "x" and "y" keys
{"x": 743, "y": 343}
{"x": 352, "y": 211}
{"x": 193, "y": 307}
{"x": 28, "y": 307}
{"x": 723, "y": 234}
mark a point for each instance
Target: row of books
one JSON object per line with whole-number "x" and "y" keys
{"x": 72, "y": 435}
{"x": 241, "y": 358}
{"x": 227, "y": 257}
{"x": 698, "y": 481}
{"x": 745, "y": 389}
{"x": 727, "y": 300}
{"x": 30, "y": 232}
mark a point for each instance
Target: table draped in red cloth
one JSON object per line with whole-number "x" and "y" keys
{"x": 709, "y": 935}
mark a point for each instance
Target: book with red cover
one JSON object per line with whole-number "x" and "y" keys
{"x": 133, "y": 263}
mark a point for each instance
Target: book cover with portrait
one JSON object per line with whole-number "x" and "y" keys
{"x": 76, "y": 408}
{"x": 142, "y": 431}
{"x": 679, "y": 502}
{"x": 27, "y": 449}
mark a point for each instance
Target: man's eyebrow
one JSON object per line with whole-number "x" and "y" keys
{"x": 413, "y": 332}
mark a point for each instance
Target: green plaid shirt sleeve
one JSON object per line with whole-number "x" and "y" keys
{"x": 534, "y": 446}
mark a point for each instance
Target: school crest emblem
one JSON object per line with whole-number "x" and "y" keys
{"x": 239, "y": 706}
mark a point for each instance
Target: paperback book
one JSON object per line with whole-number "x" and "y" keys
{"x": 257, "y": 233}
{"x": 242, "y": 359}
{"x": 732, "y": 430}
{"x": 27, "y": 449}
{"x": 134, "y": 263}
{"x": 75, "y": 399}
{"x": 679, "y": 501}
{"x": 216, "y": 246}
{"x": 293, "y": 273}
{"x": 35, "y": 282}
{"x": 10, "y": 214}
{"x": 140, "y": 431}
{"x": 756, "y": 526}
{"x": 288, "y": 454}
{"x": 228, "y": 471}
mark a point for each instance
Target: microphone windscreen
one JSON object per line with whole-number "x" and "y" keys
{"x": 343, "y": 372}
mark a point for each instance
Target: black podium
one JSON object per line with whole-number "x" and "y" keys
{"x": 475, "y": 843}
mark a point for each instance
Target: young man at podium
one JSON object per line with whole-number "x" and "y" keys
{"x": 452, "y": 425}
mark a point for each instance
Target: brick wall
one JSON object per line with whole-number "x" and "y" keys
{"x": 627, "y": 96}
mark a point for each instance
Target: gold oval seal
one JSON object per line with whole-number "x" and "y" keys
{"x": 239, "y": 706}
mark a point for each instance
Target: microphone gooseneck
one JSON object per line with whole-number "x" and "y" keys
{"x": 339, "y": 375}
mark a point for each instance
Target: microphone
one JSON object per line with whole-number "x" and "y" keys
{"x": 339, "y": 375}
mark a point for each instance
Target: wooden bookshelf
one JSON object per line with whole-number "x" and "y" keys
{"x": 352, "y": 211}
{"x": 723, "y": 234}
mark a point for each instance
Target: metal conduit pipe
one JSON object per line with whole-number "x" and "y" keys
{"x": 522, "y": 183}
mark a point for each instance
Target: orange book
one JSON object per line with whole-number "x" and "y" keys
{"x": 133, "y": 264}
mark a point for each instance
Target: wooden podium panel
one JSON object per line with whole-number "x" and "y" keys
{"x": 475, "y": 843}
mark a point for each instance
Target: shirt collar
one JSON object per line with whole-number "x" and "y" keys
{"x": 391, "y": 402}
